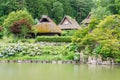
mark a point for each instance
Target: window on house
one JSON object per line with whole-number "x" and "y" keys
{"x": 44, "y": 20}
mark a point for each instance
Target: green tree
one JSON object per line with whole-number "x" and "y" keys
{"x": 68, "y": 9}
{"x": 17, "y": 16}
{"x": 104, "y": 39}
{"x": 57, "y": 11}
{"x": 8, "y": 6}
{"x": 78, "y": 9}
{"x": 114, "y": 6}
{"x": 82, "y": 8}
{"x": 111, "y": 5}
{"x": 36, "y": 8}
{"x": 100, "y": 12}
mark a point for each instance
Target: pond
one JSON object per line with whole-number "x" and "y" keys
{"x": 33, "y": 71}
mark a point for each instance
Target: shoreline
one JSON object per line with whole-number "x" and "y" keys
{"x": 52, "y": 62}
{"x": 42, "y": 61}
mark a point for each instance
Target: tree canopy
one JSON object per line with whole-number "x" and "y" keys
{"x": 56, "y": 9}
{"x": 104, "y": 39}
{"x": 17, "y": 22}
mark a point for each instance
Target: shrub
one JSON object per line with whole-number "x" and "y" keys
{"x": 53, "y": 38}
{"x": 70, "y": 56}
{"x": 68, "y": 32}
{"x": 21, "y": 28}
{"x": 17, "y": 19}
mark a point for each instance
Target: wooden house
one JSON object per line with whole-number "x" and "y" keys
{"x": 46, "y": 26}
{"x": 68, "y": 23}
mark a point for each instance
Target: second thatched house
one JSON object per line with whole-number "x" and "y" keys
{"x": 46, "y": 26}
{"x": 68, "y": 23}
{"x": 86, "y": 21}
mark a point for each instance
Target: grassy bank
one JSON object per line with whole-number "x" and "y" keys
{"x": 36, "y": 51}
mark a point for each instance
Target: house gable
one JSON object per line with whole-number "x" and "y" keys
{"x": 68, "y": 23}
{"x": 65, "y": 22}
{"x": 44, "y": 20}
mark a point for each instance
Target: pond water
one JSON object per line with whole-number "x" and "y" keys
{"x": 33, "y": 71}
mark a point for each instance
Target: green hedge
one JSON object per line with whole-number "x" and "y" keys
{"x": 53, "y": 39}
{"x": 68, "y": 32}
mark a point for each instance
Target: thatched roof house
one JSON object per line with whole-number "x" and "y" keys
{"x": 86, "y": 21}
{"x": 46, "y": 26}
{"x": 68, "y": 23}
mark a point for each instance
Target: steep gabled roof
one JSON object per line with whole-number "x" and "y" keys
{"x": 46, "y": 19}
{"x": 87, "y": 19}
{"x": 68, "y": 23}
{"x": 46, "y": 25}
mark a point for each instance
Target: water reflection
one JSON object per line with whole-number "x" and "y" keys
{"x": 58, "y": 72}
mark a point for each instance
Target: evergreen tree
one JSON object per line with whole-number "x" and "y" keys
{"x": 8, "y": 6}
{"x": 58, "y": 11}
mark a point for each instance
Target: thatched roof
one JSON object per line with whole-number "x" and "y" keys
{"x": 87, "y": 19}
{"x": 68, "y": 23}
{"x": 46, "y": 25}
{"x": 46, "y": 19}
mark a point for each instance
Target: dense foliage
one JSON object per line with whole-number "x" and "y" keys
{"x": 18, "y": 22}
{"x": 104, "y": 39}
{"x": 56, "y": 9}
{"x": 104, "y": 8}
